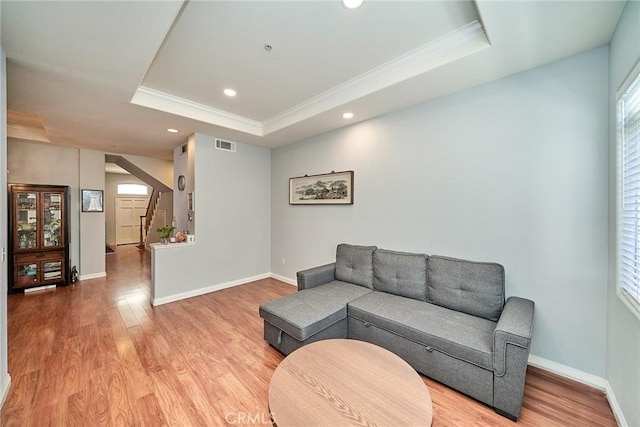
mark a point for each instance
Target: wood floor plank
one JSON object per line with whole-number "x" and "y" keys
{"x": 76, "y": 409}
{"x": 177, "y": 411}
{"x": 149, "y": 412}
{"x": 97, "y": 353}
{"x": 17, "y": 408}
{"x": 134, "y": 372}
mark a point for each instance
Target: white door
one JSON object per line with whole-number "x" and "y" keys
{"x": 128, "y": 212}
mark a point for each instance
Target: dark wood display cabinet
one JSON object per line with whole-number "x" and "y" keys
{"x": 38, "y": 236}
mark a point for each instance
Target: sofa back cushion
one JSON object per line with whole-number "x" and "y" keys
{"x": 354, "y": 264}
{"x": 475, "y": 288}
{"x": 400, "y": 273}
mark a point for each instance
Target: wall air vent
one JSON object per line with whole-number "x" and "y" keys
{"x": 225, "y": 145}
{"x": 183, "y": 148}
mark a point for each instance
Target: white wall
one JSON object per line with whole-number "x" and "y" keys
{"x": 5, "y": 379}
{"x": 162, "y": 170}
{"x": 514, "y": 171}
{"x": 183, "y": 164}
{"x": 232, "y": 204}
{"x": 34, "y": 163}
{"x": 623, "y": 328}
{"x": 92, "y": 224}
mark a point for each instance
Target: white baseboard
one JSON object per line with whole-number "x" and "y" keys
{"x": 201, "y": 291}
{"x": 40, "y": 288}
{"x": 615, "y": 406}
{"x": 568, "y": 372}
{"x": 4, "y": 391}
{"x": 92, "y": 276}
{"x": 284, "y": 279}
{"x": 584, "y": 378}
{"x": 539, "y": 362}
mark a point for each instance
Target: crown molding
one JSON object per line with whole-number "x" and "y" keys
{"x": 26, "y": 126}
{"x": 168, "y": 103}
{"x": 457, "y": 44}
{"x": 468, "y": 39}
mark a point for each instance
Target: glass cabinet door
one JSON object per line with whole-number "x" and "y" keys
{"x": 26, "y": 220}
{"x": 52, "y": 270}
{"x": 27, "y": 274}
{"x": 52, "y": 220}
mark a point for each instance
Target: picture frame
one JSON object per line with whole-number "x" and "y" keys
{"x": 92, "y": 201}
{"x": 190, "y": 198}
{"x": 335, "y": 188}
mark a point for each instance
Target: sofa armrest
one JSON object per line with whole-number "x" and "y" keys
{"x": 514, "y": 327}
{"x": 316, "y": 276}
{"x": 511, "y": 345}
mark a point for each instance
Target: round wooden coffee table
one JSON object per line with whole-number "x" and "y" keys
{"x": 347, "y": 382}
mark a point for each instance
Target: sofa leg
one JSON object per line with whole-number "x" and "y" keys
{"x": 506, "y": 415}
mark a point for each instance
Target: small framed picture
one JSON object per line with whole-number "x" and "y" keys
{"x": 92, "y": 201}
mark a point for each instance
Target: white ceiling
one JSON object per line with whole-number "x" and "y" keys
{"x": 112, "y": 76}
{"x": 316, "y": 46}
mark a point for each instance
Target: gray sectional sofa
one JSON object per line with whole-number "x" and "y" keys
{"x": 446, "y": 317}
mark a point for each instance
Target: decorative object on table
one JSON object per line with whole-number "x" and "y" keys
{"x": 165, "y": 233}
{"x": 335, "y": 188}
{"x": 191, "y": 238}
{"x": 92, "y": 201}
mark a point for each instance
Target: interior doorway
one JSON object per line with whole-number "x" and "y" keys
{"x": 128, "y": 213}
{"x": 123, "y": 206}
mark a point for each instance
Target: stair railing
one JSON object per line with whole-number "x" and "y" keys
{"x": 151, "y": 208}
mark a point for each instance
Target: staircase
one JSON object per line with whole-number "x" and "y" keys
{"x": 152, "y": 207}
{"x": 153, "y": 215}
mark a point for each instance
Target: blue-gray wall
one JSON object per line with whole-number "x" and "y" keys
{"x": 623, "y": 327}
{"x": 4, "y": 369}
{"x": 514, "y": 171}
{"x": 232, "y": 223}
{"x": 232, "y": 209}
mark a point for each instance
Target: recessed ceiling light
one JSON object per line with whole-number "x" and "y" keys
{"x": 352, "y": 4}
{"x": 347, "y": 116}
{"x": 172, "y": 130}
{"x": 230, "y": 92}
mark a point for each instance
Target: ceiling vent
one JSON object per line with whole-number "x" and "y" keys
{"x": 225, "y": 145}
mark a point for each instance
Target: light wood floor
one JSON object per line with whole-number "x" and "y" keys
{"x": 97, "y": 353}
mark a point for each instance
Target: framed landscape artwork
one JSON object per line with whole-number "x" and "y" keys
{"x": 335, "y": 188}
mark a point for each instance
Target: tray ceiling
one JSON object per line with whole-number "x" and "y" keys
{"x": 112, "y": 75}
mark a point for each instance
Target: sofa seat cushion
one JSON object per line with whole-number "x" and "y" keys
{"x": 475, "y": 288}
{"x": 456, "y": 334}
{"x": 311, "y": 310}
{"x": 400, "y": 273}
{"x": 354, "y": 264}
